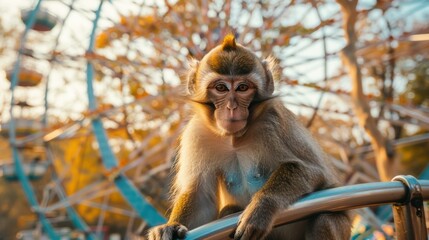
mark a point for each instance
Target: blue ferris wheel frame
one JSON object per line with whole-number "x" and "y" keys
{"x": 130, "y": 193}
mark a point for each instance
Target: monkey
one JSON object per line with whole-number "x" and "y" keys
{"x": 243, "y": 150}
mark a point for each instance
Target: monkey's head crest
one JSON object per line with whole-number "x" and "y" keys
{"x": 229, "y": 43}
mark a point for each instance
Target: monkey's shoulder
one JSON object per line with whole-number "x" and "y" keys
{"x": 276, "y": 111}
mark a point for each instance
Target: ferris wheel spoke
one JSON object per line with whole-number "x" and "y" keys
{"x": 124, "y": 185}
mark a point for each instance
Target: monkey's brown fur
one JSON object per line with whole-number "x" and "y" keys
{"x": 243, "y": 150}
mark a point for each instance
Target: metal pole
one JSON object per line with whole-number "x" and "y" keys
{"x": 330, "y": 200}
{"x": 409, "y": 215}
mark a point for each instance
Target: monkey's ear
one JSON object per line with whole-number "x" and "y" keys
{"x": 272, "y": 71}
{"x": 191, "y": 76}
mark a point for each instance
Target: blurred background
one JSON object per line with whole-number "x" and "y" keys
{"x": 90, "y": 107}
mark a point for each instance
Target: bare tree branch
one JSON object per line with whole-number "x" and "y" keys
{"x": 383, "y": 155}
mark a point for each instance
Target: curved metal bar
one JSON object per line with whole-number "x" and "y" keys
{"x": 124, "y": 185}
{"x": 19, "y": 168}
{"x": 330, "y": 200}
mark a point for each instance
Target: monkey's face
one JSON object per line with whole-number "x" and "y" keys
{"x": 231, "y": 98}
{"x": 226, "y": 83}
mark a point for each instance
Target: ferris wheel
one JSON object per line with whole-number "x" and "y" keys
{"x": 32, "y": 138}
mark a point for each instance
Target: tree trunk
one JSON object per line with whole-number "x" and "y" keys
{"x": 382, "y": 151}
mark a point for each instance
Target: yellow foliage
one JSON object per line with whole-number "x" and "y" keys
{"x": 102, "y": 40}
{"x": 155, "y": 141}
{"x": 83, "y": 167}
{"x": 143, "y": 21}
{"x": 157, "y": 104}
{"x": 124, "y": 20}
{"x": 174, "y": 126}
{"x": 137, "y": 90}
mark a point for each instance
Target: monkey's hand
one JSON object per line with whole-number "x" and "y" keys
{"x": 168, "y": 231}
{"x": 256, "y": 220}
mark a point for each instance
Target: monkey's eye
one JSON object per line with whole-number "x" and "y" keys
{"x": 221, "y": 87}
{"x": 242, "y": 87}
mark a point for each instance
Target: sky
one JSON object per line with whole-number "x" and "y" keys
{"x": 73, "y": 40}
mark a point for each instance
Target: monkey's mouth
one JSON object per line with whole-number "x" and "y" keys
{"x": 232, "y": 125}
{"x": 234, "y": 120}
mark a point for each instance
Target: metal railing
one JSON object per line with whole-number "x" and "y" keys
{"x": 406, "y": 193}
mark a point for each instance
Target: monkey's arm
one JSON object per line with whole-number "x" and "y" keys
{"x": 287, "y": 184}
{"x": 290, "y": 181}
{"x": 194, "y": 208}
{"x": 191, "y": 209}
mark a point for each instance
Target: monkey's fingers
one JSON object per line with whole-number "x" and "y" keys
{"x": 168, "y": 232}
{"x": 249, "y": 232}
{"x": 180, "y": 231}
{"x": 154, "y": 234}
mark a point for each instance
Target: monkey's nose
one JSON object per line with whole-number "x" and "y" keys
{"x": 231, "y": 105}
